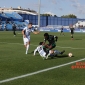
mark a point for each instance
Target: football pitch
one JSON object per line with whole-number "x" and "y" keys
{"x": 17, "y": 68}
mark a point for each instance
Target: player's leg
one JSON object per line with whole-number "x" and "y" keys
{"x": 72, "y": 36}
{"x": 53, "y": 53}
{"x": 63, "y": 33}
{"x": 50, "y": 46}
{"x": 60, "y": 32}
{"x": 50, "y": 54}
{"x": 14, "y": 33}
{"x": 27, "y": 46}
{"x": 56, "y": 52}
{"x": 44, "y": 56}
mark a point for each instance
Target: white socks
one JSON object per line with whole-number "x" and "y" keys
{"x": 27, "y": 49}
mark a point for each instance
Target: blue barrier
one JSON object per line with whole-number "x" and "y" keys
{"x": 65, "y": 30}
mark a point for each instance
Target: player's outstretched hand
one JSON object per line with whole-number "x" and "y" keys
{"x": 37, "y": 32}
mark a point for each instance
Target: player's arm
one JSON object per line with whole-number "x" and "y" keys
{"x": 56, "y": 38}
{"x": 35, "y": 51}
{"x": 36, "y": 32}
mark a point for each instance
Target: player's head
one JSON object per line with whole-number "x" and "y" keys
{"x": 30, "y": 25}
{"x": 40, "y": 43}
{"x": 71, "y": 25}
{"x": 46, "y": 35}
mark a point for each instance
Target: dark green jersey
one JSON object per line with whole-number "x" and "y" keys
{"x": 51, "y": 39}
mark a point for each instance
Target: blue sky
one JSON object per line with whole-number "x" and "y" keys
{"x": 58, "y": 7}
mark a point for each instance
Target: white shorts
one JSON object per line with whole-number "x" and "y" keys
{"x": 42, "y": 54}
{"x": 26, "y": 40}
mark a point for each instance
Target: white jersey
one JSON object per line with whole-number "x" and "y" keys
{"x": 28, "y": 31}
{"x": 40, "y": 50}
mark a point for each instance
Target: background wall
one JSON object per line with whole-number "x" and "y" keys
{"x": 46, "y": 20}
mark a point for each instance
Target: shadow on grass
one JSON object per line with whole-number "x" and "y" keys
{"x": 59, "y": 56}
{"x": 77, "y": 39}
{"x": 62, "y": 56}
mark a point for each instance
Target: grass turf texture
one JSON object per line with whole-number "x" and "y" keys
{"x": 14, "y": 62}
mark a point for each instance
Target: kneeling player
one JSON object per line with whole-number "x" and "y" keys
{"x": 51, "y": 39}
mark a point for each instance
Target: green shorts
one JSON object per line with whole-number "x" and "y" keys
{"x": 53, "y": 45}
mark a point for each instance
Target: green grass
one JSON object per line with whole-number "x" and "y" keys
{"x": 14, "y": 62}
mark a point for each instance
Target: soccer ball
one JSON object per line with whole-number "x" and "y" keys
{"x": 70, "y": 54}
{"x": 36, "y": 29}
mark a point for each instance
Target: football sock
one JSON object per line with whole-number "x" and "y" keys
{"x": 62, "y": 52}
{"x": 71, "y": 36}
{"x": 27, "y": 49}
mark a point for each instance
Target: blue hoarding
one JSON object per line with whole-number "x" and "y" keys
{"x": 50, "y": 20}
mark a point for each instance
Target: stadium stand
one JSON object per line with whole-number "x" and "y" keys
{"x": 7, "y": 19}
{"x": 47, "y": 23}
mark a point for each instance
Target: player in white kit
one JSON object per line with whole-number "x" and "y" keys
{"x": 26, "y": 35}
{"x": 44, "y": 54}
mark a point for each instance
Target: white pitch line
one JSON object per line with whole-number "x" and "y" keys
{"x": 37, "y": 45}
{"x": 11, "y": 43}
{"x": 16, "y": 43}
{"x": 70, "y": 47}
{"x": 40, "y": 71}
